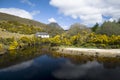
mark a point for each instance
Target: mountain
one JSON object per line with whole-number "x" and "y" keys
{"x": 17, "y": 24}
{"x": 55, "y": 28}
{"x": 78, "y": 28}
{"x": 55, "y": 25}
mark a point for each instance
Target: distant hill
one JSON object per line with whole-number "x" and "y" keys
{"x": 55, "y": 25}
{"x": 78, "y": 28}
{"x": 55, "y": 28}
{"x": 52, "y": 28}
{"x": 8, "y": 17}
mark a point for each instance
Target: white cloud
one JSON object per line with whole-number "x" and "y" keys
{"x": 20, "y": 12}
{"x": 65, "y": 27}
{"x": 28, "y": 2}
{"x": 18, "y": 66}
{"x": 88, "y": 11}
{"x": 69, "y": 70}
{"x": 52, "y": 20}
{"x": 35, "y": 12}
{"x": 111, "y": 20}
{"x": 17, "y": 12}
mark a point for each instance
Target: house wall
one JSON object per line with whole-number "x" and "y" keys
{"x": 43, "y": 36}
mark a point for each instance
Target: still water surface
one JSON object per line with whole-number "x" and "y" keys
{"x": 34, "y": 64}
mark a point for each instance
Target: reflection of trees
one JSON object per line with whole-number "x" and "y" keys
{"x": 80, "y": 59}
{"x": 17, "y": 56}
{"x": 109, "y": 62}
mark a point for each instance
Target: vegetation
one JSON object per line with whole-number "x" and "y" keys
{"x": 25, "y": 26}
{"x": 15, "y": 27}
{"x": 8, "y": 17}
{"x": 88, "y": 40}
{"x": 54, "y": 29}
{"x": 16, "y": 35}
{"x": 109, "y": 28}
{"x": 95, "y": 27}
{"x": 77, "y": 28}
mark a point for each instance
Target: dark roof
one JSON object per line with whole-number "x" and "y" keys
{"x": 41, "y": 33}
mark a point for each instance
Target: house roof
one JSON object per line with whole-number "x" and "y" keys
{"x": 41, "y": 33}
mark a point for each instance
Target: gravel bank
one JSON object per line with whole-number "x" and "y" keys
{"x": 91, "y": 52}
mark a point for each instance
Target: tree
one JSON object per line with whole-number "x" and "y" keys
{"x": 109, "y": 28}
{"x": 77, "y": 28}
{"x": 118, "y": 21}
{"x": 95, "y": 27}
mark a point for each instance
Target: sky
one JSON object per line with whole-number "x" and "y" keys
{"x": 64, "y": 12}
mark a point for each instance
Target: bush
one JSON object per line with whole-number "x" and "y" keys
{"x": 1, "y": 47}
{"x": 14, "y": 45}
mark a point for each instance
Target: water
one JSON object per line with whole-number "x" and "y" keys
{"x": 34, "y": 64}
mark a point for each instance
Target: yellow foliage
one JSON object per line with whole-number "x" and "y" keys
{"x": 56, "y": 39}
{"x": 1, "y": 47}
{"x": 14, "y": 45}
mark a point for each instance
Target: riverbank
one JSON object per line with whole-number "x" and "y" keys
{"x": 90, "y": 52}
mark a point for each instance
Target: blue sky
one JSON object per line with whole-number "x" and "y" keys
{"x": 64, "y": 12}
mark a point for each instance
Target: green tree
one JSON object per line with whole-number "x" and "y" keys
{"x": 109, "y": 28}
{"x": 118, "y": 21}
{"x": 77, "y": 28}
{"x": 95, "y": 27}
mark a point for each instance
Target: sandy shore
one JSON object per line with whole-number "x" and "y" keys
{"x": 91, "y": 52}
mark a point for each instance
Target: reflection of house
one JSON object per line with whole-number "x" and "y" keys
{"x": 42, "y": 35}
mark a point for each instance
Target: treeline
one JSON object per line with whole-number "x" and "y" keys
{"x": 108, "y": 28}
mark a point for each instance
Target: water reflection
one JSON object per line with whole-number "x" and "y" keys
{"x": 17, "y": 67}
{"x": 81, "y": 59}
{"x": 36, "y": 63}
{"x": 18, "y": 56}
{"x": 69, "y": 70}
{"x": 88, "y": 71}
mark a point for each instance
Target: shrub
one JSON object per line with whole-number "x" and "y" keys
{"x": 1, "y": 47}
{"x": 13, "y": 45}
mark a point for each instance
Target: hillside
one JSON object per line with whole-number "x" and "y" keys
{"x": 8, "y": 17}
{"x": 55, "y": 28}
{"x": 78, "y": 28}
{"x": 16, "y": 24}
{"x": 11, "y": 35}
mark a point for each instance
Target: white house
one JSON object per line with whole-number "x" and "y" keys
{"x": 42, "y": 35}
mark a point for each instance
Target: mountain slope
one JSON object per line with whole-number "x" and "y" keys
{"x": 26, "y": 26}
{"x": 8, "y": 17}
{"x": 78, "y": 28}
{"x": 55, "y": 28}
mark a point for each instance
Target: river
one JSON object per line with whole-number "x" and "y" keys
{"x": 40, "y": 64}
